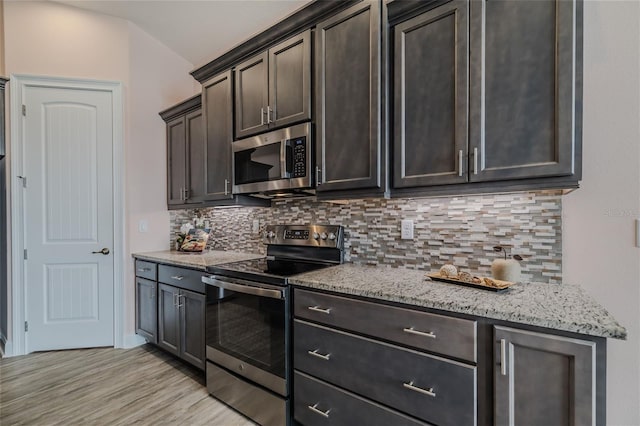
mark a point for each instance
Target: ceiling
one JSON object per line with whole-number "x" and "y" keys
{"x": 197, "y": 30}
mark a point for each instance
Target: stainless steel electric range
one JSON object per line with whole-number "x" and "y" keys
{"x": 248, "y": 319}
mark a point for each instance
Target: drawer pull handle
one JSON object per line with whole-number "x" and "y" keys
{"x": 319, "y": 355}
{"x": 411, "y": 330}
{"x": 319, "y": 309}
{"x": 144, "y": 269}
{"x": 177, "y": 277}
{"x": 429, "y": 391}
{"x": 316, "y": 410}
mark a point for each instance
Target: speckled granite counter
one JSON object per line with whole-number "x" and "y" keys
{"x": 196, "y": 260}
{"x": 556, "y": 306}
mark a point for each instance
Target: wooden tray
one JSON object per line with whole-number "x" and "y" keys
{"x": 503, "y": 285}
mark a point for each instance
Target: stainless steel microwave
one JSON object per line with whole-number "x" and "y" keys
{"x": 278, "y": 161}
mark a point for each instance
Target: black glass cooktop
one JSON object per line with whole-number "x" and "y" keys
{"x": 265, "y": 270}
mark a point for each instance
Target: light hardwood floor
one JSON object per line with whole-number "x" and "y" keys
{"x": 106, "y": 386}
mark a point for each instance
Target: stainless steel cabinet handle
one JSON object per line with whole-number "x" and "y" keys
{"x": 262, "y": 116}
{"x": 319, "y": 355}
{"x": 186, "y": 194}
{"x": 144, "y": 269}
{"x": 411, "y": 330}
{"x": 226, "y": 184}
{"x": 181, "y": 193}
{"x": 460, "y": 163}
{"x": 475, "y": 161}
{"x": 104, "y": 251}
{"x": 177, "y": 277}
{"x": 411, "y": 386}
{"x": 175, "y": 300}
{"x": 503, "y": 357}
{"x": 318, "y": 181}
{"x": 319, "y": 309}
{"x": 152, "y": 293}
{"x": 316, "y": 410}
{"x": 268, "y": 114}
{"x": 180, "y": 303}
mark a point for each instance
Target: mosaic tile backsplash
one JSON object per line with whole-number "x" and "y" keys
{"x": 458, "y": 230}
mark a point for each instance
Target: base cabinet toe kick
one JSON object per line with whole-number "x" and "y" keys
{"x": 355, "y": 363}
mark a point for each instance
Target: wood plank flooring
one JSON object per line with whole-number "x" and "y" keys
{"x": 106, "y": 386}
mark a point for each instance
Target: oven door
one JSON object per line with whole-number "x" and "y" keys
{"x": 246, "y": 330}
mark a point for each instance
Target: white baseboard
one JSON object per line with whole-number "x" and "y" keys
{"x": 132, "y": 340}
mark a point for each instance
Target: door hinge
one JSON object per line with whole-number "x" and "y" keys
{"x": 26, "y": 326}
{"x": 25, "y": 254}
{"x": 24, "y": 110}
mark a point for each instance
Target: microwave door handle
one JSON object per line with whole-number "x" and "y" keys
{"x": 284, "y": 164}
{"x": 239, "y": 288}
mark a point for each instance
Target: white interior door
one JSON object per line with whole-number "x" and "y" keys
{"x": 68, "y": 213}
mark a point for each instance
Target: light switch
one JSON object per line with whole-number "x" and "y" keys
{"x": 143, "y": 225}
{"x": 406, "y": 229}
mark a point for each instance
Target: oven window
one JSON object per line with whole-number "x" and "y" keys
{"x": 258, "y": 164}
{"x": 249, "y": 328}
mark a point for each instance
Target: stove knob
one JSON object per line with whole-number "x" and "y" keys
{"x": 271, "y": 234}
{"x": 332, "y": 236}
{"x": 316, "y": 236}
{"x": 323, "y": 235}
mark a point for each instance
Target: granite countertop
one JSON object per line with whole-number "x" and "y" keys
{"x": 556, "y": 306}
{"x": 196, "y": 260}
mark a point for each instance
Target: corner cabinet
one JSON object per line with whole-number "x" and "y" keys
{"x": 545, "y": 379}
{"x": 487, "y": 95}
{"x": 350, "y": 151}
{"x": 273, "y": 89}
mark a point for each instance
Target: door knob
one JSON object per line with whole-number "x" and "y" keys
{"x": 104, "y": 251}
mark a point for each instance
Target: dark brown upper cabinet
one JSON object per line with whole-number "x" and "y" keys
{"x": 431, "y": 97}
{"x": 525, "y": 92}
{"x": 273, "y": 88}
{"x": 217, "y": 109}
{"x": 350, "y": 156}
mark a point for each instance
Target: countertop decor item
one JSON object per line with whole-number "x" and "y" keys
{"x": 481, "y": 283}
{"x": 506, "y": 269}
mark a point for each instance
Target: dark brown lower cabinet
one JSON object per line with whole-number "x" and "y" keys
{"x": 146, "y": 309}
{"x": 181, "y": 323}
{"x": 543, "y": 379}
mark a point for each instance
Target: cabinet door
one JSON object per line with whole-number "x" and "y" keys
{"x": 192, "y": 310}
{"x": 251, "y": 96}
{"x": 543, "y": 379}
{"x": 146, "y": 309}
{"x": 290, "y": 81}
{"x": 168, "y": 319}
{"x": 522, "y": 73}
{"x": 348, "y": 141}
{"x": 217, "y": 108}
{"x": 196, "y": 157}
{"x": 176, "y": 160}
{"x": 430, "y": 97}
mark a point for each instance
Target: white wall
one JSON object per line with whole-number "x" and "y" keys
{"x": 46, "y": 38}
{"x": 598, "y": 219}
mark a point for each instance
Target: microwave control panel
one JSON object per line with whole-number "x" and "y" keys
{"x": 299, "y": 157}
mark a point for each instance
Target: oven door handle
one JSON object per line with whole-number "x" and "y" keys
{"x": 247, "y": 289}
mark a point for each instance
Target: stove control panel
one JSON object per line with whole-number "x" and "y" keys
{"x": 331, "y": 236}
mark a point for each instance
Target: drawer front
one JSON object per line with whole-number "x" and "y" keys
{"x": 427, "y": 387}
{"x": 182, "y": 278}
{"x": 146, "y": 270}
{"x": 436, "y": 333}
{"x": 319, "y": 403}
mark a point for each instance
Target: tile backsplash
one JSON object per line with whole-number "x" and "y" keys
{"x": 460, "y": 230}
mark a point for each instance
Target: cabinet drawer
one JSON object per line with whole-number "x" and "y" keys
{"x": 312, "y": 398}
{"x": 436, "y": 333}
{"x": 181, "y": 277}
{"x": 146, "y": 270}
{"x": 428, "y": 387}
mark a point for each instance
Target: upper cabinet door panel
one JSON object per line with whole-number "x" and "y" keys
{"x": 522, "y": 88}
{"x": 290, "y": 80}
{"x": 252, "y": 96}
{"x": 217, "y": 108}
{"x": 176, "y": 160}
{"x": 196, "y": 156}
{"x": 348, "y": 99}
{"x": 430, "y": 97}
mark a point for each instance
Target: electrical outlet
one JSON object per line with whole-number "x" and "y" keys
{"x": 406, "y": 229}
{"x": 256, "y": 226}
{"x": 143, "y": 225}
